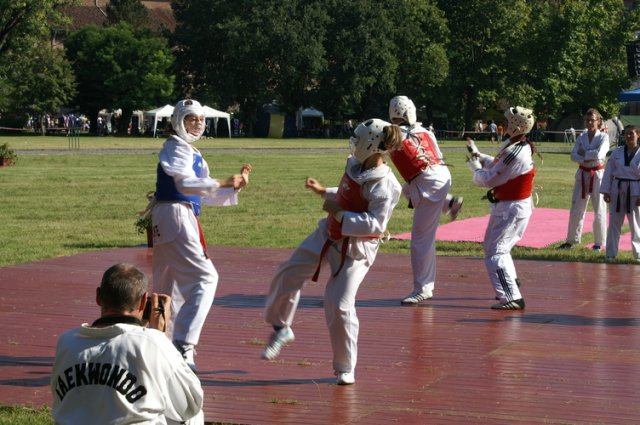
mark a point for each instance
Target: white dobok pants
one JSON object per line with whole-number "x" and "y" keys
{"x": 426, "y": 218}
{"x": 182, "y": 269}
{"x": 616, "y": 220}
{"x": 339, "y": 295}
{"x": 579, "y": 207}
{"x": 506, "y": 227}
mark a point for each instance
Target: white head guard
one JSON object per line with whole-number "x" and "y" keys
{"x": 519, "y": 120}
{"x": 181, "y": 110}
{"x": 402, "y": 107}
{"x": 369, "y": 139}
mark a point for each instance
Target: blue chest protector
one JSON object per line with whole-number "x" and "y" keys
{"x": 166, "y": 188}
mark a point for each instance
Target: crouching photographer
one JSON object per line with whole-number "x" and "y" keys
{"x": 122, "y": 368}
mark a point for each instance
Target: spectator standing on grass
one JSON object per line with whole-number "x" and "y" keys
{"x": 347, "y": 240}
{"x": 510, "y": 176}
{"x": 589, "y": 152}
{"x": 427, "y": 183}
{"x": 621, "y": 189}
{"x": 118, "y": 371}
{"x": 572, "y": 131}
{"x": 500, "y": 131}
{"x": 493, "y": 131}
{"x": 181, "y": 264}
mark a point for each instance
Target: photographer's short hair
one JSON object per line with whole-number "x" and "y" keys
{"x": 122, "y": 287}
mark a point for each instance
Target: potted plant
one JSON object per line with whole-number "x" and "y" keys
{"x": 7, "y": 155}
{"x": 143, "y": 222}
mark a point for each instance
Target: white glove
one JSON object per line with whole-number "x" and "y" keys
{"x": 474, "y": 163}
{"x": 471, "y": 147}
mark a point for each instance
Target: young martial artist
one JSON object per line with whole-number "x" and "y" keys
{"x": 427, "y": 183}
{"x": 510, "y": 176}
{"x": 181, "y": 266}
{"x": 621, "y": 188}
{"x": 589, "y": 152}
{"x": 347, "y": 241}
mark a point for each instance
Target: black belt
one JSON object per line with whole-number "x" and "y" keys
{"x": 628, "y": 194}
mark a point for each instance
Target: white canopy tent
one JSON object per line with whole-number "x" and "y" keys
{"x": 215, "y": 114}
{"x": 312, "y": 112}
{"x": 309, "y": 120}
{"x": 307, "y": 113}
{"x": 157, "y": 114}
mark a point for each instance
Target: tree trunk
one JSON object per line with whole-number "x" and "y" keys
{"x": 93, "y": 121}
{"x": 123, "y": 122}
{"x": 469, "y": 107}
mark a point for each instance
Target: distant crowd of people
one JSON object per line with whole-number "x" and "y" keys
{"x": 48, "y": 121}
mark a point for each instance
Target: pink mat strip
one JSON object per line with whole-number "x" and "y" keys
{"x": 547, "y": 226}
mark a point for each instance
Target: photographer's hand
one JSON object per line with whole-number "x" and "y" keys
{"x": 160, "y": 311}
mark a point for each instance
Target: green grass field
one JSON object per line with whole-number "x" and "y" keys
{"x": 57, "y": 201}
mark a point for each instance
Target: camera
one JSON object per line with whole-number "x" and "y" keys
{"x": 147, "y": 308}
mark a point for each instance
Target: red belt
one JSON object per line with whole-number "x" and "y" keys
{"x": 201, "y": 236}
{"x": 343, "y": 253}
{"x": 592, "y": 173}
{"x": 323, "y": 252}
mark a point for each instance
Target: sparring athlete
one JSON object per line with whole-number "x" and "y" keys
{"x": 116, "y": 371}
{"x": 510, "y": 176}
{"x": 427, "y": 183}
{"x": 181, "y": 265}
{"x": 589, "y": 151}
{"x": 347, "y": 240}
{"x": 621, "y": 184}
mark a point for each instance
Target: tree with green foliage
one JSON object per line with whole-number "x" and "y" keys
{"x": 420, "y": 34}
{"x": 361, "y": 57}
{"x": 375, "y": 53}
{"x": 23, "y": 24}
{"x": 557, "y": 57}
{"x": 25, "y": 28}
{"x": 132, "y": 12}
{"x": 119, "y": 67}
{"x": 579, "y": 55}
{"x": 343, "y": 57}
{"x": 487, "y": 45}
{"x": 42, "y": 81}
{"x": 296, "y": 48}
{"x": 272, "y": 50}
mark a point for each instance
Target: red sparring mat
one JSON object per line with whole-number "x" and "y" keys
{"x": 571, "y": 358}
{"x": 547, "y": 226}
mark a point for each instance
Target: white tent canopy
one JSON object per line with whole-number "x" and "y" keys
{"x": 310, "y": 112}
{"x": 163, "y": 112}
{"x": 215, "y": 114}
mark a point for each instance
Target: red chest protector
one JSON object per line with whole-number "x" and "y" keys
{"x": 516, "y": 189}
{"x": 349, "y": 197}
{"x": 418, "y": 152}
